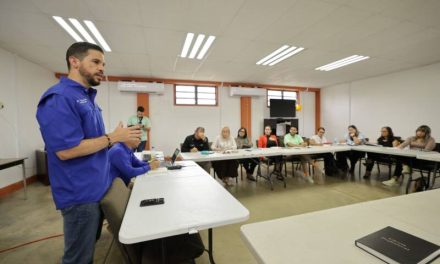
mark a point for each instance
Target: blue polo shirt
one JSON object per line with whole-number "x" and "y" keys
{"x": 67, "y": 113}
{"x": 124, "y": 164}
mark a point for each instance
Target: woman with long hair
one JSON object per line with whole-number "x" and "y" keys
{"x": 225, "y": 169}
{"x": 243, "y": 142}
{"x": 386, "y": 139}
{"x": 421, "y": 141}
{"x": 353, "y": 138}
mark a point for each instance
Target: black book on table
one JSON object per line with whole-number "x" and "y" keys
{"x": 395, "y": 246}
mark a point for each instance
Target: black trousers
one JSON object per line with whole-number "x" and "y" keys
{"x": 250, "y": 164}
{"x": 353, "y": 156}
{"x": 373, "y": 157}
{"x": 329, "y": 163}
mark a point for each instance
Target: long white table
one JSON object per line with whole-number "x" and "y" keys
{"x": 194, "y": 201}
{"x": 430, "y": 156}
{"x": 279, "y": 151}
{"x": 328, "y": 236}
{"x": 267, "y": 152}
{"x": 434, "y": 157}
{"x": 410, "y": 153}
{"x": 262, "y": 152}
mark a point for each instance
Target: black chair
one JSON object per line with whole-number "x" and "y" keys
{"x": 425, "y": 167}
{"x": 294, "y": 160}
{"x": 387, "y": 160}
{"x": 268, "y": 162}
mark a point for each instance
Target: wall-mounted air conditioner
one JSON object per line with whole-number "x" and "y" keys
{"x": 141, "y": 87}
{"x": 241, "y": 91}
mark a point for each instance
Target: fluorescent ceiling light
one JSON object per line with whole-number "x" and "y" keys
{"x": 206, "y": 46}
{"x": 92, "y": 28}
{"x": 82, "y": 30}
{"x": 196, "y": 50}
{"x": 272, "y": 54}
{"x": 342, "y": 62}
{"x": 290, "y": 54}
{"x": 187, "y": 44}
{"x": 196, "y": 46}
{"x": 345, "y": 63}
{"x": 67, "y": 28}
{"x": 279, "y": 55}
{"x": 97, "y": 35}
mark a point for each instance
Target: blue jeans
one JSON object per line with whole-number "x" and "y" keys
{"x": 81, "y": 223}
{"x": 141, "y": 146}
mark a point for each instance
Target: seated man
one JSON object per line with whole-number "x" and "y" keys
{"x": 197, "y": 142}
{"x": 124, "y": 164}
{"x": 329, "y": 161}
{"x": 292, "y": 139}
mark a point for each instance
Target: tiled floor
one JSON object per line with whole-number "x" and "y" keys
{"x": 22, "y": 220}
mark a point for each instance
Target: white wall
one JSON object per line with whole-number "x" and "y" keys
{"x": 22, "y": 84}
{"x": 171, "y": 124}
{"x": 402, "y": 100}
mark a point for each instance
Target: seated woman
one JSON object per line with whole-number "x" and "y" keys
{"x": 124, "y": 164}
{"x": 386, "y": 139}
{"x": 353, "y": 138}
{"x": 225, "y": 169}
{"x": 267, "y": 141}
{"x": 292, "y": 139}
{"x": 421, "y": 141}
{"x": 243, "y": 141}
{"x": 329, "y": 160}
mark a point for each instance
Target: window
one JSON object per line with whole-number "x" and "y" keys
{"x": 279, "y": 94}
{"x": 195, "y": 95}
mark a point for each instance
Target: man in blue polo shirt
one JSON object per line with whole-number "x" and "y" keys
{"x": 125, "y": 165}
{"x": 77, "y": 148}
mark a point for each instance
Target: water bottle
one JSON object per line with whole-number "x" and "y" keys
{"x": 153, "y": 153}
{"x": 335, "y": 141}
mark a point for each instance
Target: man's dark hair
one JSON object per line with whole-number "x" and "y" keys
{"x": 80, "y": 50}
{"x": 201, "y": 129}
{"x": 321, "y": 128}
{"x": 141, "y": 109}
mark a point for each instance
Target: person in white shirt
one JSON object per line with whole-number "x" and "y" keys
{"x": 225, "y": 169}
{"x": 353, "y": 138}
{"x": 329, "y": 161}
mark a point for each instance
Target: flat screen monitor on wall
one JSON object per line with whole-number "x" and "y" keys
{"x": 282, "y": 108}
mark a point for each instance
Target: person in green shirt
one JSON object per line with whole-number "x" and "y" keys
{"x": 294, "y": 140}
{"x": 144, "y": 123}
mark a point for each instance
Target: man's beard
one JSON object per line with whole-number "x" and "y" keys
{"x": 88, "y": 77}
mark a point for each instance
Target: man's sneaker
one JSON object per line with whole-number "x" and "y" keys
{"x": 391, "y": 182}
{"x": 308, "y": 179}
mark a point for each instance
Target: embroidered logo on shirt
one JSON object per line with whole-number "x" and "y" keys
{"x": 82, "y": 101}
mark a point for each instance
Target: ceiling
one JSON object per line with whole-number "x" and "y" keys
{"x": 146, "y": 36}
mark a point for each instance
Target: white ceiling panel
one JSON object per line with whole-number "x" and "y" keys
{"x": 147, "y": 36}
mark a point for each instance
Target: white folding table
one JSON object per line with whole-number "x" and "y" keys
{"x": 434, "y": 157}
{"x": 328, "y": 236}
{"x": 263, "y": 152}
{"x": 194, "y": 201}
